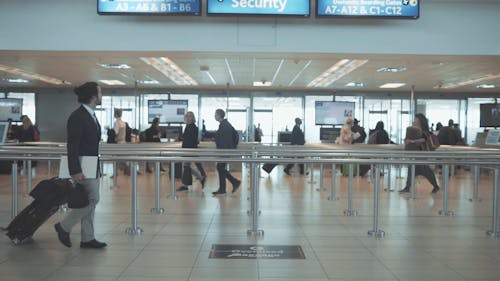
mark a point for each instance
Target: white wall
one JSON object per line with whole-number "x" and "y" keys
{"x": 466, "y": 27}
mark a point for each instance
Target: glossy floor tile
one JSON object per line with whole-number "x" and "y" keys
{"x": 419, "y": 244}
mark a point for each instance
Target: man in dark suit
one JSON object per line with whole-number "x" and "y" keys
{"x": 297, "y": 139}
{"x": 225, "y": 139}
{"x": 84, "y": 134}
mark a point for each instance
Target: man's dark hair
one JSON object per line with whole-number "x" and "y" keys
{"x": 450, "y": 123}
{"x": 86, "y": 91}
{"x": 220, "y": 113}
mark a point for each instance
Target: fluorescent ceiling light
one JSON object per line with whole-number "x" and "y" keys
{"x": 336, "y": 71}
{"x": 452, "y": 85}
{"x": 262, "y": 83}
{"x": 16, "y": 80}
{"x": 114, "y": 65}
{"x": 171, "y": 70}
{"x": 32, "y": 76}
{"x": 355, "y": 84}
{"x": 392, "y": 69}
{"x": 486, "y": 86}
{"x": 392, "y": 85}
{"x": 148, "y": 82}
{"x": 112, "y": 82}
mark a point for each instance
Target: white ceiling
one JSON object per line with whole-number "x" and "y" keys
{"x": 296, "y": 71}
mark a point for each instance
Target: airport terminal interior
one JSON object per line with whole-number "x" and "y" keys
{"x": 265, "y": 63}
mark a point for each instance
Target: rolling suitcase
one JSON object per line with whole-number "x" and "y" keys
{"x": 48, "y": 195}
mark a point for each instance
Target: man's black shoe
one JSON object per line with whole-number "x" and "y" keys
{"x": 405, "y": 190}
{"x": 218, "y": 193}
{"x": 62, "y": 235}
{"x": 183, "y": 188}
{"x": 203, "y": 180}
{"x": 93, "y": 244}
{"x": 236, "y": 186}
{"x": 435, "y": 189}
{"x": 286, "y": 172}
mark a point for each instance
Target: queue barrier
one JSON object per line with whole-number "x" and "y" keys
{"x": 266, "y": 154}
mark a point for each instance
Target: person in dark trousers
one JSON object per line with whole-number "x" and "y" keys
{"x": 359, "y": 132}
{"x": 225, "y": 138}
{"x": 297, "y": 139}
{"x": 190, "y": 140}
{"x": 153, "y": 135}
{"x": 415, "y": 139}
{"x": 84, "y": 134}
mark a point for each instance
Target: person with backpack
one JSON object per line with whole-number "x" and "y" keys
{"x": 416, "y": 138}
{"x": 297, "y": 139}
{"x": 226, "y": 137}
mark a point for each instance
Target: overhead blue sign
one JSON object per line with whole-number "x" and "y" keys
{"x": 149, "y": 7}
{"x": 259, "y": 7}
{"x": 368, "y": 8}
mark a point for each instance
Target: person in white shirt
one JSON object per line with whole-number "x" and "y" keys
{"x": 120, "y": 128}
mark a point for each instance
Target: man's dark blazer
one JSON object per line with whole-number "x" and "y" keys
{"x": 297, "y": 136}
{"x": 83, "y": 138}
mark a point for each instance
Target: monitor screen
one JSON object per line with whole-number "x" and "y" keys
{"x": 368, "y": 8}
{"x": 489, "y": 115}
{"x": 169, "y": 111}
{"x": 11, "y": 109}
{"x": 333, "y": 112}
{"x": 155, "y": 7}
{"x": 259, "y": 7}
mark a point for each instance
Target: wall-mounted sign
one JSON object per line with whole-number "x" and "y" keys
{"x": 368, "y": 8}
{"x": 156, "y": 7}
{"x": 259, "y": 7}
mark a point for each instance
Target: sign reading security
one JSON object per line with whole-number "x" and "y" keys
{"x": 149, "y": 7}
{"x": 369, "y": 8}
{"x": 259, "y": 7}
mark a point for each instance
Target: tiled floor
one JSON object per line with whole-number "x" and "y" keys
{"x": 419, "y": 245}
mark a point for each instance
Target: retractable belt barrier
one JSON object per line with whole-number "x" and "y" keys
{"x": 256, "y": 154}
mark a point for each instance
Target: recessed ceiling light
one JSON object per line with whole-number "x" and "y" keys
{"x": 486, "y": 86}
{"x": 355, "y": 84}
{"x": 392, "y": 69}
{"x": 149, "y": 82}
{"x": 171, "y": 70}
{"x": 16, "y": 80}
{"x": 392, "y": 85}
{"x": 112, "y": 82}
{"x": 336, "y": 71}
{"x": 114, "y": 65}
{"x": 262, "y": 83}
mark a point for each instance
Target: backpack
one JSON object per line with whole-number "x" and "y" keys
{"x": 128, "y": 133}
{"x": 372, "y": 139}
{"x": 431, "y": 142}
{"x": 236, "y": 138}
{"x": 111, "y": 136}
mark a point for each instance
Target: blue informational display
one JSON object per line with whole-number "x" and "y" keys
{"x": 160, "y": 7}
{"x": 169, "y": 111}
{"x": 332, "y": 112}
{"x": 259, "y": 7}
{"x": 368, "y": 8}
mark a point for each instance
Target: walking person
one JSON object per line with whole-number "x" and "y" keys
{"x": 190, "y": 140}
{"x": 226, "y": 137}
{"x": 84, "y": 134}
{"x": 120, "y": 129}
{"x": 297, "y": 139}
{"x": 415, "y": 139}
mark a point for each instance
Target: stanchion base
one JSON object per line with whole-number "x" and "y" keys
{"x": 134, "y": 231}
{"x": 377, "y": 233}
{"x": 258, "y": 232}
{"x": 157, "y": 211}
{"x": 333, "y": 199}
{"x": 172, "y": 196}
{"x": 389, "y": 189}
{"x": 475, "y": 200}
{"x": 446, "y": 213}
{"x": 63, "y": 209}
{"x": 350, "y": 213}
{"x": 493, "y": 233}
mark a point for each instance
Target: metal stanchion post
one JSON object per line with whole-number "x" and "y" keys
{"x": 350, "y": 211}
{"x": 475, "y": 194}
{"x": 412, "y": 182}
{"x": 172, "y": 182}
{"x": 29, "y": 178}
{"x": 254, "y": 203}
{"x": 14, "y": 190}
{"x": 376, "y": 232}
{"x": 333, "y": 196}
{"x": 389, "y": 174}
{"x": 495, "y": 232}
{"x": 134, "y": 229}
{"x": 49, "y": 168}
{"x": 311, "y": 168}
{"x": 115, "y": 175}
{"x": 321, "y": 172}
{"x": 446, "y": 179}
{"x": 157, "y": 209}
